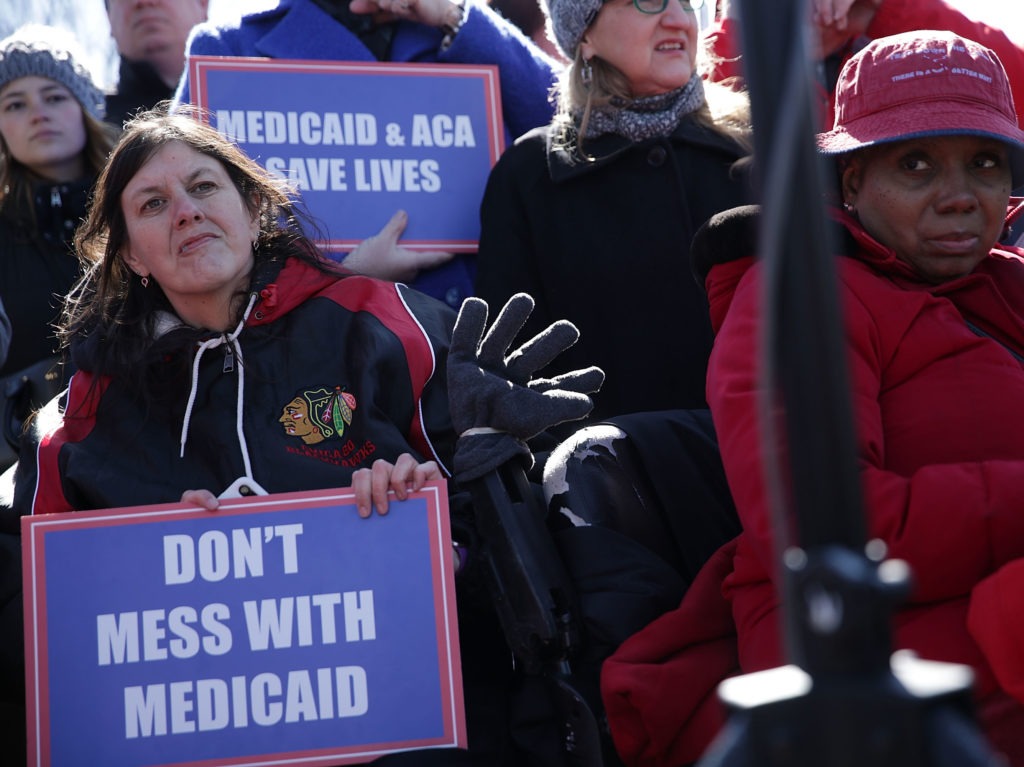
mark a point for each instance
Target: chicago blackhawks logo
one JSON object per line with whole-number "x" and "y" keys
{"x": 320, "y": 414}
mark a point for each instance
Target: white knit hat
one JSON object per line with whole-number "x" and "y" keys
{"x": 31, "y": 50}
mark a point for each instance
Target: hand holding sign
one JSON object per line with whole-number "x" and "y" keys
{"x": 381, "y": 256}
{"x": 405, "y": 475}
{"x": 370, "y": 486}
{"x": 433, "y": 13}
{"x": 281, "y": 630}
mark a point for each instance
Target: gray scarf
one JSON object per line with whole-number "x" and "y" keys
{"x": 649, "y": 116}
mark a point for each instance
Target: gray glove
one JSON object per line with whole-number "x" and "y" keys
{"x": 495, "y": 402}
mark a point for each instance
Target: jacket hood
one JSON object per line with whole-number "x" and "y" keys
{"x": 282, "y": 292}
{"x": 294, "y": 284}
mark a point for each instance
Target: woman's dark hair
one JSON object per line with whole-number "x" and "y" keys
{"x": 110, "y": 299}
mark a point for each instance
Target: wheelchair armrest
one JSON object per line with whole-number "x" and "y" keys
{"x": 533, "y": 593}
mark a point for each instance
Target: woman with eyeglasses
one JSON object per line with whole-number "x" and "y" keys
{"x": 593, "y": 214}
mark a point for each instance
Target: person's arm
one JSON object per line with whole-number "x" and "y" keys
{"x": 527, "y": 73}
{"x": 382, "y": 257}
{"x": 38, "y": 486}
{"x": 204, "y": 40}
{"x": 482, "y": 36}
{"x": 953, "y": 523}
{"x": 370, "y": 486}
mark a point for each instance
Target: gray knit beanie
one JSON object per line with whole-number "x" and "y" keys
{"x": 568, "y": 20}
{"x": 31, "y": 50}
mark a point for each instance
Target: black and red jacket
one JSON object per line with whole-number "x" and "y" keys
{"x": 336, "y": 372}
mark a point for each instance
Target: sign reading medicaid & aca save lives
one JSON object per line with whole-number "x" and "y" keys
{"x": 280, "y": 629}
{"x": 363, "y": 140}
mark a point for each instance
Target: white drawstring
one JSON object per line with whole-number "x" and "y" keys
{"x": 230, "y": 338}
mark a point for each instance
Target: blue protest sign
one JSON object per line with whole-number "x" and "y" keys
{"x": 280, "y": 629}
{"x": 362, "y": 140}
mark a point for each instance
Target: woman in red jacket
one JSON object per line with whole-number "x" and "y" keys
{"x": 928, "y": 148}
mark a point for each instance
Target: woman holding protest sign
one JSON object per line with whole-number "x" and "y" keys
{"x": 415, "y": 31}
{"x": 217, "y": 348}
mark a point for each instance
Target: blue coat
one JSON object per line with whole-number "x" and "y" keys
{"x": 299, "y": 29}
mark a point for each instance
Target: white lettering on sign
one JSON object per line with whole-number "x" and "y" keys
{"x": 266, "y": 700}
{"x": 216, "y": 556}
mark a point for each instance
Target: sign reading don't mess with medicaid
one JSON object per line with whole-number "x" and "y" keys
{"x": 281, "y": 629}
{"x": 362, "y": 140}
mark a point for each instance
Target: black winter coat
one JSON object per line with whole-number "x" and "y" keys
{"x": 37, "y": 268}
{"x": 139, "y": 87}
{"x": 605, "y": 244}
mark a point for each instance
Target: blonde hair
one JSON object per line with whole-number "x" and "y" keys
{"x": 725, "y": 111}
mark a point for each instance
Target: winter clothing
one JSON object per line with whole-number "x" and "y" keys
{"x": 892, "y": 17}
{"x": 941, "y": 468}
{"x": 647, "y": 116}
{"x": 349, "y": 334}
{"x": 893, "y": 84}
{"x": 139, "y": 87}
{"x": 325, "y": 375}
{"x": 497, "y": 405}
{"x": 299, "y": 29}
{"x": 604, "y": 243}
{"x": 568, "y": 20}
{"x": 37, "y": 268}
{"x": 5, "y": 333}
{"x": 31, "y": 51}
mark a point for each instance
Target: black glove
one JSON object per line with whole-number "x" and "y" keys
{"x": 496, "y": 405}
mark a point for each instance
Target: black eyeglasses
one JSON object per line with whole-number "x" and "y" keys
{"x": 657, "y": 6}
{"x": 650, "y": 7}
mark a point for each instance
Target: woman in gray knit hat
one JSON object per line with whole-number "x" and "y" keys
{"x": 593, "y": 216}
{"x": 52, "y": 145}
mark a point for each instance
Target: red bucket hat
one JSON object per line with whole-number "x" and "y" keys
{"x": 923, "y": 83}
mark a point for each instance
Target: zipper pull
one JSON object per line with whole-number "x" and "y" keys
{"x": 229, "y": 359}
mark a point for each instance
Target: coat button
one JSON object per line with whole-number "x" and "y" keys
{"x": 453, "y": 297}
{"x": 656, "y": 156}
